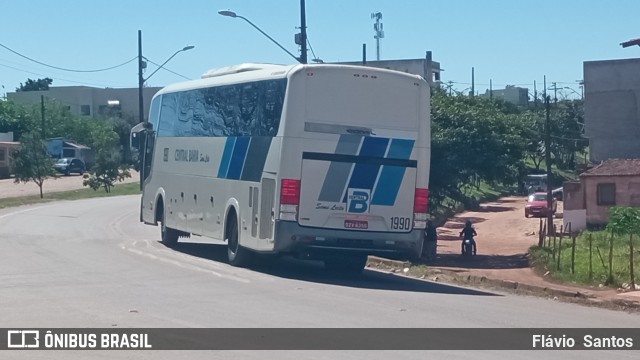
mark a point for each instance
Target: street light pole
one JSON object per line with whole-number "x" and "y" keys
{"x": 169, "y": 59}
{"x": 303, "y": 33}
{"x": 141, "y": 80}
{"x": 234, "y": 15}
{"x": 141, "y": 66}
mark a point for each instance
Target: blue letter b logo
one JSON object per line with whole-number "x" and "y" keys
{"x": 358, "y": 201}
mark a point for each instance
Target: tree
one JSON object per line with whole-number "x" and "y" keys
{"x": 14, "y": 118}
{"x": 624, "y": 221}
{"x": 32, "y": 161}
{"x": 105, "y": 173}
{"x": 567, "y": 120}
{"x": 533, "y": 133}
{"x": 107, "y": 170}
{"x": 473, "y": 139}
{"x": 35, "y": 85}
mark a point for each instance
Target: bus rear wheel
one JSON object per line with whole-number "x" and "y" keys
{"x": 236, "y": 254}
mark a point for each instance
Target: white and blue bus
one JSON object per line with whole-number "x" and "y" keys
{"x": 327, "y": 162}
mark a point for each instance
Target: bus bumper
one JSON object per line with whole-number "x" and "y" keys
{"x": 317, "y": 243}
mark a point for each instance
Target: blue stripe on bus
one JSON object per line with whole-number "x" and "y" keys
{"x": 391, "y": 177}
{"x": 256, "y": 158}
{"x": 364, "y": 175}
{"x": 238, "y": 156}
{"x": 338, "y": 174}
{"x": 226, "y": 157}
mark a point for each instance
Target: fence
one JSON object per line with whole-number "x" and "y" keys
{"x": 579, "y": 256}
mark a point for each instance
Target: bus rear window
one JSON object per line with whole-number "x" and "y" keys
{"x": 383, "y": 101}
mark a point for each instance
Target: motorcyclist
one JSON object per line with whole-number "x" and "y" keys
{"x": 467, "y": 233}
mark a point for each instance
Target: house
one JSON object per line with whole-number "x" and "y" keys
{"x": 614, "y": 182}
{"x": 61, "y": 148}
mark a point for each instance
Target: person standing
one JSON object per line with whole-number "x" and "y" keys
{"x": 430, "y": 241}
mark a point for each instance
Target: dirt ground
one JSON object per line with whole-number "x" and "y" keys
{"x": 8, "y": 188}
{"x": 504, "y": 237}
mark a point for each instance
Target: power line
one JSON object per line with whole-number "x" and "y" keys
{"x": 65, "y": 69}
{"x": 54, "y": 77}
{"x": 311, "y": 48}
{"x": 171, "y": 71}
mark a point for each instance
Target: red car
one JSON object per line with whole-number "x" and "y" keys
{"x": 537, "y": 205}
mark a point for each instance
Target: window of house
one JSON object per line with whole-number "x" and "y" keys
{"x": 606, "y": 194}
{"x": 2, "y": 155}
{"x": 85, "y": 110}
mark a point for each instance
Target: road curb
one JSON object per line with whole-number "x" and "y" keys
{"x": 450, "y": 276}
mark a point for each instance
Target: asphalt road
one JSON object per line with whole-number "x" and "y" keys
{"x": 90, "y": 263}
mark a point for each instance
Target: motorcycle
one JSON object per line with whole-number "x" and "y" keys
{"x": 468, "y": 248}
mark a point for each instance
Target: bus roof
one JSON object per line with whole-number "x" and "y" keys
{"x": 256, "y": 72}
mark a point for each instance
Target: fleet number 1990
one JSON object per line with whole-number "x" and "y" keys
{"x": 400, "y": 223}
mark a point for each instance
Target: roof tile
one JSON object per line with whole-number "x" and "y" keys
{"x": 615, "y": 167}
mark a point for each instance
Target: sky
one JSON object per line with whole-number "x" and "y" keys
{"x": 507, "y": 42}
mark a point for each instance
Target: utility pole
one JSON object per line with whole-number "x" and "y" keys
{"x": 555, "y": 92}
{"x": 303, "y": 33}
{"x": 141, "y": 66}
{"x": 535, "y": 95}
{"x": 581, "y": 83}
{"x": 473, "y": 88}
{"x": 44, "y": 131}
{"x": 491, "y": 88}
{"x": 547, "y": 159}
{"x": 364, "y": 54}
{"x": 450, "y": 86}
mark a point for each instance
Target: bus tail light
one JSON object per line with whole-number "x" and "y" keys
{"x": 420, "y": 208}
{"x": 289, "y": 199}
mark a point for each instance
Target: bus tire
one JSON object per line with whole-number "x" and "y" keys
{"x": 168, "y": 236}
{"x": 351, "y": 264}
{"x": 236, "y": 254}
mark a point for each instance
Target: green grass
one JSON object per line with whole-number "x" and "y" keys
{"x": 543, "y": 259}
{"x": 119, "y": 189}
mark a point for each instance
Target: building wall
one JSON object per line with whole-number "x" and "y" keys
{"x": 83, "y": 98}
{"x": 513, "y": 94}
{"x": 612, "y": 98}
{"x": 574, "y": 214}
{"x": 8, "y": 136}
{"x": 627, "y": 194}
{"x": 573, "y": 196}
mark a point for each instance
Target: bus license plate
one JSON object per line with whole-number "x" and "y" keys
{"x": 356, "y": 224}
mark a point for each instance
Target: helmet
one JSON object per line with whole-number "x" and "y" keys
{"x": 467, "y": 223}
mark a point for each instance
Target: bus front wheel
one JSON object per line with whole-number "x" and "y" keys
{"x": 168, "y": 236}
{"x": 237, "y": 255}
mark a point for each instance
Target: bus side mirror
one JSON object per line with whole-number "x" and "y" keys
{"x": 134, "y": 140}
{"x": 137, "y": 134}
